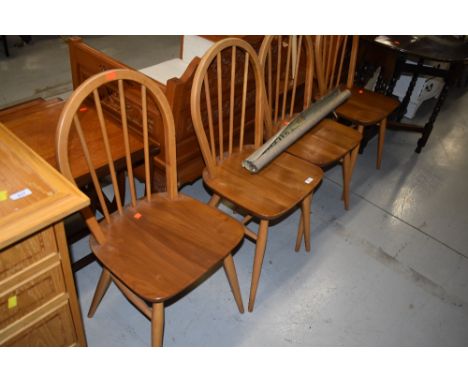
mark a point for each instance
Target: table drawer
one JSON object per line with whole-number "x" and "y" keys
{"x": 30, "y": 294}
{"x": 27, "y": 252}
{"x": 56, "y": 329}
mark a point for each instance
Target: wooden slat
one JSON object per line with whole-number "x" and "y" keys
{"x": 335, "y": 56}
{"x": 144, "y": 113}
{"x": 110, "y": 160}
{"x": 128, "y": 159}
{"x": 244, "y": 101}
{"x": 352, "y": 61}
{"x": 209, "y": 111}
{"x": 231, "y": 102}
{"x": 296, "y": 72}
{"x": 220, "y": 105}
{"x": 278, "y": 74}
{"x": 286, "y": 79}
{"x": 91, "y": 168}
{"x": 270, "y": 90}
{"x": 343, "y": 51}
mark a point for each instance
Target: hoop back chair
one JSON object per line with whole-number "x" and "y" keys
{"x": 289, "y": 69}
{"x": 228, "y": 76}
{"x": 364, "y": 107}
{"x": 157, "y": 246}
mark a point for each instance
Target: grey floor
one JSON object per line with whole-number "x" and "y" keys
{"x": 391, "y": 271}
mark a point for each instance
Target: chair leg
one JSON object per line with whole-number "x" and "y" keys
{"x": 306, "y": 203}
{"x": 300, "y": 233}
{"x": 231, "y": 274}
{"x": 346, "y": 179}
{"x": 304, "y": 222}
{"x": 157, "y": 324}
{"x": 258, "y": 260}
{"x": 101, "y": 288}
{"x": 214, "y": 201}
{"x": 355, "y": 152}
{"x": 382, "y": 130}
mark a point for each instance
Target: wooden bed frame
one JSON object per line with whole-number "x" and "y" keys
{"x": 86, "y": 61}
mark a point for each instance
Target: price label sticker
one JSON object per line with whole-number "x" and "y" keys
{"x": 21, "y": 194}
{"x": 309, "y": 180}
{"x": 12, "y": 302}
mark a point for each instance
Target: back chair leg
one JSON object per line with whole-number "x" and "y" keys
{"x": 231, "y": 274}
{"x": 382, "y": 130}
{"x": 346, "y": 179}
{"x": 258, "y": 261}
{"x": 355, "y": 152}
{"x": 101, "y": 288}
{"x": 157, "y": 324}
{"x": 214, "y": 201}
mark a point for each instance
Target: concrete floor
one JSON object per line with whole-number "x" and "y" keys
{"x": 392, "y": 271}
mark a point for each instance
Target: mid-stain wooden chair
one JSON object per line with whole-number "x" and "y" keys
{"x": 157, "y": 246}
{"x": 288, "y": 63}
{"x": 364, "y": 108}
{"x": 229, "y": 75}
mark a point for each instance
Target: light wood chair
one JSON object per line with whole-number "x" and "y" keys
{"x": 228, "y": 76}
{"x": 288, "y": 63}
{"x": 364, "y": 108}
{"x": 157, "y": 246}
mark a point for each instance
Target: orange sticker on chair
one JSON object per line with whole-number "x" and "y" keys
{"x": 111, "y": 76}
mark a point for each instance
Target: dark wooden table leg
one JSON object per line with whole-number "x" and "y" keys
{"x": 401, "y": 111}
{"x": 430, "y": 123}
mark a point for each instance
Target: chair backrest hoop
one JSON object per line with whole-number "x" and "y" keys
{"x": 195, "y": 100}
{"x": 330, "y": 53}
{"x": 297, "y": 46}
{"x": 91, "y": 85}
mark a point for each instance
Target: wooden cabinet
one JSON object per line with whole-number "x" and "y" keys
{"x": 38, "y": 301}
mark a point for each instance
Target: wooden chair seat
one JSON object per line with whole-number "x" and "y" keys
{"x": 283, "y": 181}
{"x": 366, "y": 108}
{"x": 180, "y": 230}
{"x": 328, "y": 142}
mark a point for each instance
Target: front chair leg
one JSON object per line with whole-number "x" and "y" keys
{"x": 101, "y": 288}
{"x": 306, "y": 217}
{"x": 231, "y": 274}
{"x": 300, "y": 233}
{"x": 258, "y": 261}
{"x": 382, "y": 130}
{"x": 157, "y": 324}
{"x": 346, "y": 179}
{"x": 355, "y": 151}
{"x": 303, "y": 230}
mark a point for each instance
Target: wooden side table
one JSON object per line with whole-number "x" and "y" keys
{"x": 38, "y": 301}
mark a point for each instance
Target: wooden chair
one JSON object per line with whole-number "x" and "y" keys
{"x": 364, "y": 108}
{"x": 157, "y": 246}
{"x": 288, "y": 63}
{"x": 226, "y": 140}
